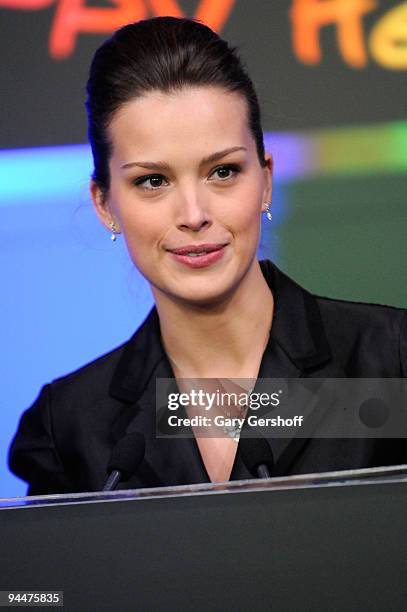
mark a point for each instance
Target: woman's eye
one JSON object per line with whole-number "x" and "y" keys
{"x": 226, "y": 172}
{"x": 151, "y": 182}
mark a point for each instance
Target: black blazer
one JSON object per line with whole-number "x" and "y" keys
{"x": 64, "y": 440}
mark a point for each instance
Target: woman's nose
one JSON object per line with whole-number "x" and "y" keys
{"x": 192, "y": 214}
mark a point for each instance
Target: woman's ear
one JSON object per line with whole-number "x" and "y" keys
{"x": 268, "y": 172}
{"x": 101, "y": 205}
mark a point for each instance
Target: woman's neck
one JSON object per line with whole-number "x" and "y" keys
{"x": 224, "y": 340}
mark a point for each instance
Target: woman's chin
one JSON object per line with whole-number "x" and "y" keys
{"x": 195, "y": 295}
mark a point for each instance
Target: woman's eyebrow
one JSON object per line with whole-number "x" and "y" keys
{"x": 220, "y": 154}
{"x": 164, "y": 166}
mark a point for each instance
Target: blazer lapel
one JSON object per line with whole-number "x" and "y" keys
{"x": 167, "y": 461}
{"x": 297, "y": 348}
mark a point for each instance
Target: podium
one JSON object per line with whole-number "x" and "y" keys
{"x": 332, "y": 541}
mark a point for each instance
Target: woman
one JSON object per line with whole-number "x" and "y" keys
{"x": 180, "y": 170}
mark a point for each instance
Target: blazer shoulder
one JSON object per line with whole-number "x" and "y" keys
{"x": 94, "y": 380}
{"x": 362, "y": 315}
{"x": 368, "y": 333}
{"x": 94, "y": 375}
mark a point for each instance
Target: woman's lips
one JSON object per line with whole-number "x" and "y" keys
{"x": 198, "y": 256}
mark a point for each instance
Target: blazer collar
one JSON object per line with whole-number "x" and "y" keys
{"x": 297, "y": 326}
{"x": 297, "y": 333}
{"x": 140, "y": 358}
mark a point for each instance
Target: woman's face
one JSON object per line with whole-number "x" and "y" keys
{"x": 187, "y": 191}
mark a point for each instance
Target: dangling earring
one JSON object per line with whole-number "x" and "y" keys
{"x": 115, "y": 230}
{"x": 268, "y": 211}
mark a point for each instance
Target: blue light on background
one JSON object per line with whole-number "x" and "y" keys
{"x": 30, "y": 175}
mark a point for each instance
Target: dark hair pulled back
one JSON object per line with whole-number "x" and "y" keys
{"x": 160, "y": 54}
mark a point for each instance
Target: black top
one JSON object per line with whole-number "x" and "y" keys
{"x": 64, "y": 440}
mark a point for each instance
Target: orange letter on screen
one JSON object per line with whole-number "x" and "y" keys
{"x": 309, "y": 16}
{"x": 73, "y": 17}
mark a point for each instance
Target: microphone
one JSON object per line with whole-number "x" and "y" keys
{"x": 257, "y": 456}
{"x": 125, "y": 458}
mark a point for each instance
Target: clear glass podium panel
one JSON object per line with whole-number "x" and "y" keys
{"x": 343, "y": 478}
